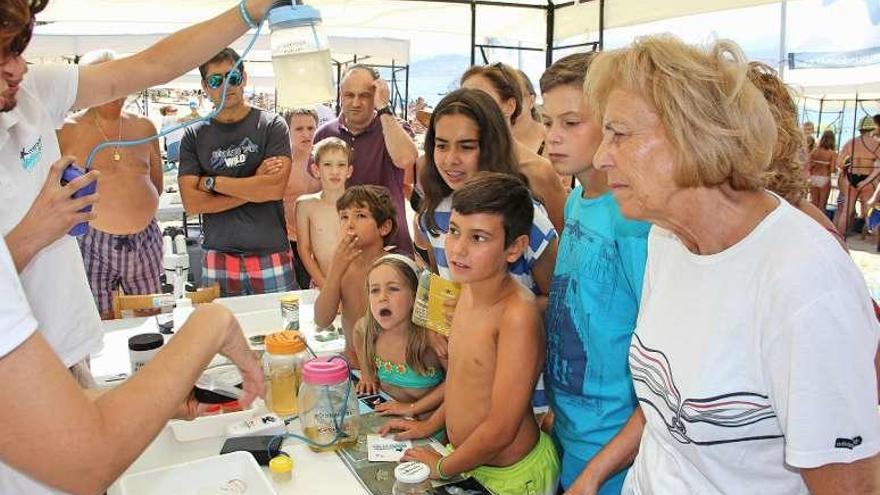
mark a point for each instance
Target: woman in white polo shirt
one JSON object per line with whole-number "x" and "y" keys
{"x": 52, "y": 433}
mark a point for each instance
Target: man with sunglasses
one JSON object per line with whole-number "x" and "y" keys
{"x": 92, "y": 438}
{"x": 233, "y": 171}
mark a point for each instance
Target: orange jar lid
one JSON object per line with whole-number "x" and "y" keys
{"x": 286, "y": 342}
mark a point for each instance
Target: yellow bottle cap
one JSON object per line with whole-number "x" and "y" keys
{"x": 281, "y": 464}
{"x": 290, "y": 298}
{"x": 286, "y": 342}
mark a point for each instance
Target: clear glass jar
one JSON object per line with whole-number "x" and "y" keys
{"x": 282, "y": 364}
{"x": 328, "y": 405}
{"x": 290, "y": 312}
{"x": 300, "y": 57}
{"x": 411, "y": 478}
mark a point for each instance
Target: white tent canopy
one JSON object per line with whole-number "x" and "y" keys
{"x": 506, "y": 22}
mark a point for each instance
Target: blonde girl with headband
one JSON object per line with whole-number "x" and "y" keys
{"x": 394, "y": 352}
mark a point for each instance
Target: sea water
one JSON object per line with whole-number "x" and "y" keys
{"x": 303, "y": 79}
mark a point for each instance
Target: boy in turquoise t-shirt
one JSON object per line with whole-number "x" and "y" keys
{"x": 596, "y": 286}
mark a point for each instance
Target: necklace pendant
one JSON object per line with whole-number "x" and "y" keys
{"x": 116, "y": 156}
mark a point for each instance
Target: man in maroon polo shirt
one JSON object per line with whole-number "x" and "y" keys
{"x": 381, "y": 148}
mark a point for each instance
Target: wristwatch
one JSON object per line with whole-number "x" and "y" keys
{"x": 209, "y": 183}
{"x": 386, "y": 110}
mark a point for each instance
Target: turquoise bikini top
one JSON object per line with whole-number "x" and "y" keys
{"x": 401, "y": 375}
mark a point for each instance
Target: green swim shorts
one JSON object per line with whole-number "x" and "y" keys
{"x": 536, "y": 474}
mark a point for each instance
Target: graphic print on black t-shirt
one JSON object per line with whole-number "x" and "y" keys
{"x": 724, "y": 418}
{"x": 233, "y": 156}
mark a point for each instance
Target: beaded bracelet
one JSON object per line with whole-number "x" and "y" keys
{"x": 439, "y": 470}
{"x": 245, "y": 16}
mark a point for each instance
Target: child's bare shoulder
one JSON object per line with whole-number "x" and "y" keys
{"x": 519, "y": 309}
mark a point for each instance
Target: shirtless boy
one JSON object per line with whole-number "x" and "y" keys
{"x": 303, "y": 122}
{"x": 317, "y": 222}
{"x": 123, "y": 246}
{"x": 367, "y": 223}
{"x": 496, "y": 350}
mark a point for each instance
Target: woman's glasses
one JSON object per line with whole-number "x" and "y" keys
{"x": 214, "y": 81}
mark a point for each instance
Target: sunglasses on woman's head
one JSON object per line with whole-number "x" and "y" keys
{"x": 214, "y": 81}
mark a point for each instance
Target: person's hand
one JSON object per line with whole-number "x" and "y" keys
{"x": 270, "y": 166}
{"x": 54, "y": 211}
{"x": 450, "y": 301}
{"x": 346, "y": 252}
{"x": 236, "y": 349}
{"x": 408, "y": 429}
{"x": 425, "y": 455}
{"x": 583, "y": 485}
{"x": 257, "y": 9}
{"x": 439, "y": 344}
{"x": 191, "y": 408}
{"x": 381, "y": 93}
{"x": 394, "y": 408}
{"x": 367, "y": 386}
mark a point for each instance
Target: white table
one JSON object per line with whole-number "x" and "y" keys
{"x": 170, "y": 207}
{"x": 313, "y": 473}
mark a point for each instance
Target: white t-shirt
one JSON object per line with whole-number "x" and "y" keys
{"x": 55, "y": 280}
{"x": 752, "y": 362}
{"x": 16, "y": 325}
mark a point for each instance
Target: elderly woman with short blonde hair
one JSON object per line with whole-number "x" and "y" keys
{"x": 753, "y": 354}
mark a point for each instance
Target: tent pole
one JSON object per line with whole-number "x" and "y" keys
{"x": 406, "y": 95}
{"x": 550, "y": 27}
{"x": 601, "y": 25}
{"x": 819, "y": 120}
{"x": 473, "y": 32}
{"x": 783, "y": 26}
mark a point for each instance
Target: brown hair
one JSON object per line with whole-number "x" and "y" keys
{"x": 164, "y": 110}
{"x": 330, "y": 144}
{"x": 717, "y": 122}
{"x": 417, "y": 348}
{"x": 495, "y": 145}
{"x": 288, "y": 115}
{"x": 226, "y": 55}
{"x": 377, "y": 199}
{"x": 499, "y": 194}
{"x": 17, "y": 16}
{"x": 570, "y": 70}
{"x": 786, "y": 172}
{"x": 827, "y": 140}
{"x": 505, "y": 81}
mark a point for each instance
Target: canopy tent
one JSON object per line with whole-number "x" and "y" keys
{"x": 543, "y": 27}
{"x": 67, "y": 39}
{"x": 537, "y": 23}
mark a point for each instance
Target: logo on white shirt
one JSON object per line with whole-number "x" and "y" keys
{"x": 31, "y": 156}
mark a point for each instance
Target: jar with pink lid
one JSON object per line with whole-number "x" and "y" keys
{"x": 328, "y": 409}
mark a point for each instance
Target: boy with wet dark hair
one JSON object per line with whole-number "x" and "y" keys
{"x": 496, "y": 349}
{"x": 367, "y": 223}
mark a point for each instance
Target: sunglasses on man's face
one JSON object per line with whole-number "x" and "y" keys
{"x": 214, "y": 81}
{"x": 21, "y": 40}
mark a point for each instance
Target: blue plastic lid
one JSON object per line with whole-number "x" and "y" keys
{"x": 296, "y": 14}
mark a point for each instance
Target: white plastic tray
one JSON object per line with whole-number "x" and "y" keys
{"x": 212, "y": 426}
{"x": 237, "y": 472}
